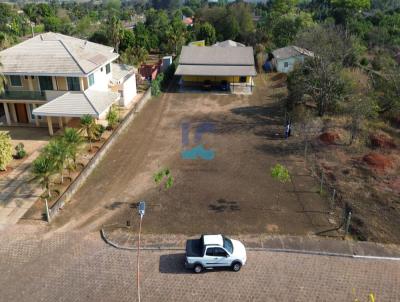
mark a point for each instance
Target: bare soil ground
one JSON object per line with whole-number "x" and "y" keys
{"x": 232, "y": 193}
{"x": 367, "y": 176}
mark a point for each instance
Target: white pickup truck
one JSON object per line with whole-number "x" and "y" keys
{"x": 211, "y": 251}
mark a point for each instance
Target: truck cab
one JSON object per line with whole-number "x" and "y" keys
{"x": 211, "y": 251}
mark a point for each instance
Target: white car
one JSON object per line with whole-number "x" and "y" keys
{"x": 211, "y": 251}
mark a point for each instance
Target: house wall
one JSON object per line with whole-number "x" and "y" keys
{"x": 128, "y": 91}
{"x": 101, "y": 79}
{"x": 61, "y": 83}
{"x": 280, "y": 64}
{"x": 24, "y": 82}
{"x": 229, "y": 79}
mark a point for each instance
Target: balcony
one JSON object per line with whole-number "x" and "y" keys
{"x": 23, "y": 95}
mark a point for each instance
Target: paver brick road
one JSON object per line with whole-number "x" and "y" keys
{"x": 81, "y": 267}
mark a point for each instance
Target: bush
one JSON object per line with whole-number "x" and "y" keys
{"x": 112, "y": 117}
{"x": 100, "y": 130}
{"x": 162, "y": 80}
{"x": 156, "y": 85}
{"x": 21, "y": 153}
{"x": 364, "y": 62}
{"x": 6, "y": 150}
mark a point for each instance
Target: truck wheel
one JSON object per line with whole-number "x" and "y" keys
{"x": 198, "y": 268}
{"x": 236, "y": 266}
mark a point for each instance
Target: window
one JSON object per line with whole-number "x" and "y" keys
{"x": 15, "y": 80}
{"x": 286, "y": 64}
{"x": 108, "y": 68}
{"x": 46, "y": 83}
{"x": 242, "y": 79}
{"x": 210, "y": 251}
{"x": 228, "y": 245}
{"x": 218, "y": 252}
{"x": 73, "y": 84}
{"x": 91, "y": 79}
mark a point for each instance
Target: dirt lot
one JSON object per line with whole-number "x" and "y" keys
{"x": 232, "y": 193}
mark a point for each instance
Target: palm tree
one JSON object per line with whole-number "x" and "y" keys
{"x": 43, "y": 169}
{"x": 89, "y": 126}
{"x": 73, "y": 141}
{"x": 57, "y": 151}
{"x": 115, "y": 31}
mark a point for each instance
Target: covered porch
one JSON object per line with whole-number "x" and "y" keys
{"x": 19, "y": 112}
{"x": 73, "y": 105}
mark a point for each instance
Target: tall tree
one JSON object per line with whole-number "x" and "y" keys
{"x": 114, "y": 31}
{"x": 205, "y": 31}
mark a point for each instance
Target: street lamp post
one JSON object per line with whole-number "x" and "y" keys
{"x": 141, "y": 210}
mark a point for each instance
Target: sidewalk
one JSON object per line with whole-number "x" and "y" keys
{"x": 17, "y": 194}
{"x": 125, "y": 238}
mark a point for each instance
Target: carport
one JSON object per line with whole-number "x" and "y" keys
{"x": 214, "y": 65}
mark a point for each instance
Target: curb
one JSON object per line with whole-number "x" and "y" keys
{"x": 254, "y": 249}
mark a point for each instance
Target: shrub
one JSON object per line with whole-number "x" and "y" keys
{"x": 43, "y": 168}
{"x": 156, "y": 85}
{"x": 100, "y": 130}
{"x": 364, "y": 62}
{"x": 112, "y": 117}
{"x": 280, "y": 173}
{"x": 21, "y": 153}
{"x": 6, "y": 150}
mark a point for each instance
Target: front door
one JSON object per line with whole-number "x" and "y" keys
{"x": 22, "y": 115}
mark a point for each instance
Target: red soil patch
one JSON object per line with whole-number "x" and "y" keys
{"x": 378, "y": 161}
{"x": 329, "y": 138}
{"x": 382, "y": 141}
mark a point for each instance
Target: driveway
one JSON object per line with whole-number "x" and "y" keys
{"x": 17, "y": 193}
{"x": 79, "y": 267}
{"x": 231, "y": 192}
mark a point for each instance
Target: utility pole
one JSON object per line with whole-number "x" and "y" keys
{"x": 141, "y": 210}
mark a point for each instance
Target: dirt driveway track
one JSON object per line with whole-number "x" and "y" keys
{"x": 232, "y": 193}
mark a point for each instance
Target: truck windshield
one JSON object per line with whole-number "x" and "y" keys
{"x": 228, "y": 244}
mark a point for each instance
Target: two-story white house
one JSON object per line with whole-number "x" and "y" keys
{"x": 54, "y": 78}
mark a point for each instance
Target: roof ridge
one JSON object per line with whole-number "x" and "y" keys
{"x": 71, "y": 54}
{"x": 90, "y": 102}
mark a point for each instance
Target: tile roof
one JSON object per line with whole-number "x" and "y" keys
{"x": 229, "y": 43}
{"x": 216, "y": 70}
{"x": 55, "y": 54}
{"x": 291, "y": 51}
{"x": 78, "y": 103}
{"x": 209, "y": 55}
{"x": 120, "y": 71}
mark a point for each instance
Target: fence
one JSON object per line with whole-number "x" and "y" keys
{"x": 326, "y": 188}
{"x": 80, "y": 180}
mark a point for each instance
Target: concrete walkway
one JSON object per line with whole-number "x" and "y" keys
{"x": 17, "y": 194}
